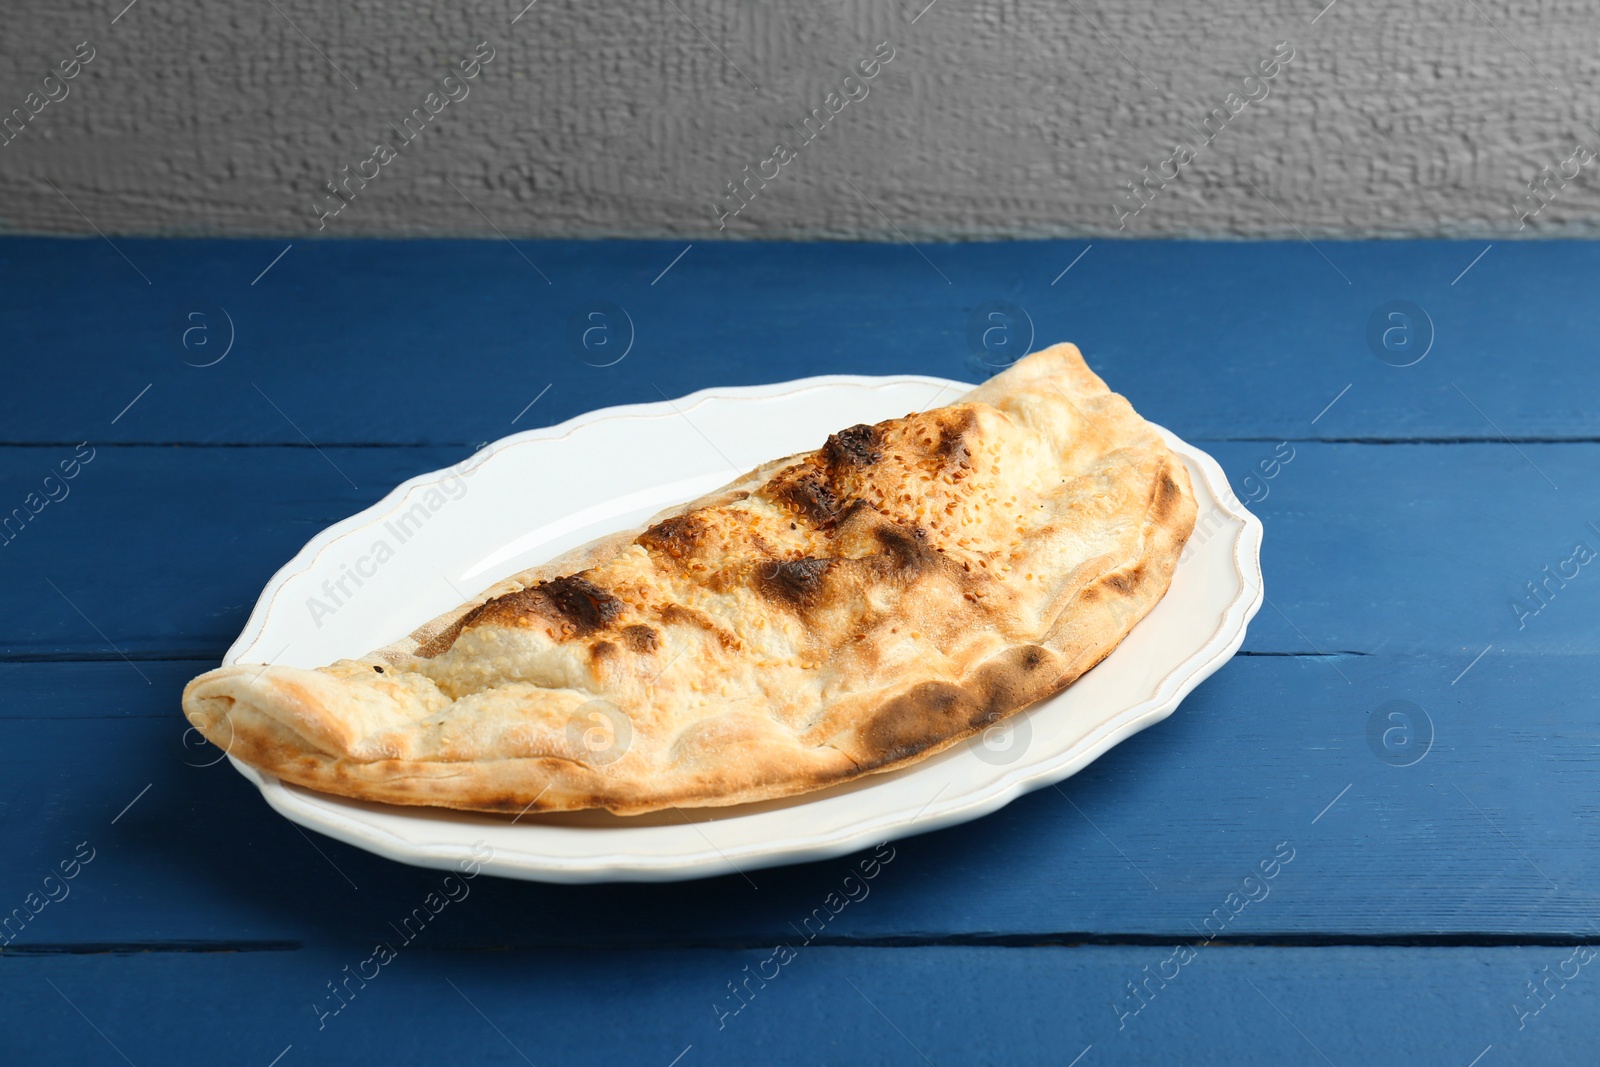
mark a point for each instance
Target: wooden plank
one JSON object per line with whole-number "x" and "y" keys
{"x": 182, "y": 540}
{"x": 1368, "y": 548}
{"x": 447, "y": 341}
{"x": 112, "y": 688}
{"x": 971, "y": 1005}
{"x": 1492, "y": 830}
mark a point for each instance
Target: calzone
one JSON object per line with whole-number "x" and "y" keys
{"x": 826, "y": 616}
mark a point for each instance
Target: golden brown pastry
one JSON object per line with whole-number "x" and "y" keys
{"x": 826, "y": 616}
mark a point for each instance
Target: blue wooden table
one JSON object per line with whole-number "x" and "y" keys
{"x": 1372, "y": 837}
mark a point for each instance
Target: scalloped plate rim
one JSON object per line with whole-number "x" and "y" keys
{"x": 309, "y": 809}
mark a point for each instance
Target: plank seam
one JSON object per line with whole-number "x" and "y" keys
{"x": 956, "y": 941}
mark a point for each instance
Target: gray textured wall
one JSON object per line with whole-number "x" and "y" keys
{"x": 994, "y": 117}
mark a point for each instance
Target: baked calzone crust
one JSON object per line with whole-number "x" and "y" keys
{"x": 826, "y": 616}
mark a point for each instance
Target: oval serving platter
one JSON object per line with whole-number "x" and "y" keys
{"x": 440, "y": 538}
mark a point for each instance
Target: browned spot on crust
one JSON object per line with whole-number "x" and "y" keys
{"x": 919, "y": 717}
{"x": 1125, "y": 582}
{"x": 952, "y": 444}
{"x": 1167, "y": 494}
{"x": 795, "y": 582}
{"x": 676, "y": 537}
{"x": 641, "y": 638}
{"x": 818, "y": 488}
{"x": 933, "y": 712}
{"x": 854, "y": 508}
{"x": 677, "y": 614}
{"x": 809, "y": 494}
{"x": 516, "y": 605}
{"x": 577, "y": 604}
{"x": 600, "y": 650}
{"x": 1014, "y": 678}
{"x": 906, "y": 552}
{"x": 856, "y": 447}
{"x": 584, "y": 604}
{"x": 442, "y": 641}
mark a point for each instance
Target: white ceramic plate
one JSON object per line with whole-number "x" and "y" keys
{"x": 442, "y": 537}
